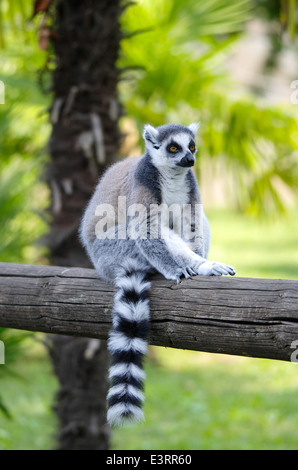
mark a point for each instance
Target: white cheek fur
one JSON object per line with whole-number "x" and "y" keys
{"x": 161, "y": 157}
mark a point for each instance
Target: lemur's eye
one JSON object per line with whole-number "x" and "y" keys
{"x": 173, "y": 147}
{"x": 192, "y": 148}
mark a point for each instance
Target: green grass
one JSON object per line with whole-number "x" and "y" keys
{"x": 256, "y": 247}
{"x": 28, "y": 393}
{"x": 203, "y": 401}
{"x": 193, "y": 400}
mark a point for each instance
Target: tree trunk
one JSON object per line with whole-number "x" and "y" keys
{"x": 80, "y": 365}
{"x": 84, "y": 140}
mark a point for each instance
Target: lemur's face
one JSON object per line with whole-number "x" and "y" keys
{"x": 171, "y": 145}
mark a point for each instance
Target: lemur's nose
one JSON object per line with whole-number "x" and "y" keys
{"x": 187, "y": 161}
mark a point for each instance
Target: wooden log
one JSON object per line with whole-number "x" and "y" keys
{"x": 239, "y": 316}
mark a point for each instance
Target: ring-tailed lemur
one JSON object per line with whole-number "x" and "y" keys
{"x": 160, "y": 178}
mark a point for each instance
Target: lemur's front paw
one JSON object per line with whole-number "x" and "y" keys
{"x": 208, "y": 268}
{"x": 214, "y": 268}
{"x": 177, "y": 274}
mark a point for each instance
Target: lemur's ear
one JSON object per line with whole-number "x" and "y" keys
{"x": 150, "y": 133}
{"x": 194, "y": 127}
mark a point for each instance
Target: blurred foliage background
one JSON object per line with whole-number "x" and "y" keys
{"x": 229, "y": 65}
{"x": 184, "y": 71}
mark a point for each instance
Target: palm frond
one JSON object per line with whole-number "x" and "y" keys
{"x": 182, "y": 80}
{"x": 289, "y": 16}
{"x": 16, "y": 21}
{"x": 257, "y": 145}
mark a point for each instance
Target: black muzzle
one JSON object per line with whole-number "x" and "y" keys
{"x": 187, "y": 161}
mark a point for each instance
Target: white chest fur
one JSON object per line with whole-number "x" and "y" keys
{"x": 174, "y": 188}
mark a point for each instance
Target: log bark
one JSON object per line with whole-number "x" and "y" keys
{"x": 238, "y": 316}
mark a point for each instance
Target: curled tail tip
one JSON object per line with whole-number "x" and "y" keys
{"x": 119, "y": 415}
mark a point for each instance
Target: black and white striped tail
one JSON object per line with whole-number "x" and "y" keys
{"x": 128, "y": 345}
